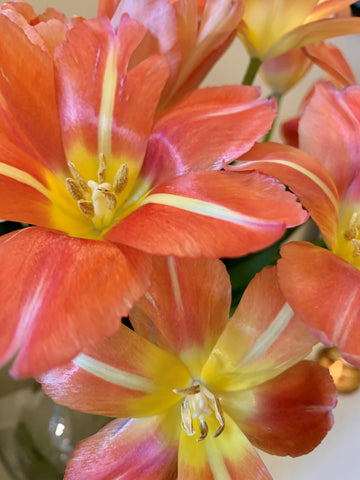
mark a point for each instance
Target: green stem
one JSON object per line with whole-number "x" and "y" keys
{"x": 251, "y": 72}
{"x": 277, "y": 97}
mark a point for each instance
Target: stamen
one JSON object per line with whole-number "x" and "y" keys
{"x": 203, "y": 431}
{"x": 121, "y": 179}
{"x": 101, "y": 173}
{"x": 356, "y": 244}
{"x": 87, "y": 208}
{"x": 111, "y": 199}
{"x": 188, "y": 391}
{"x": 74, "y": 189}
{"x": 220, "y": 417}
{"x": 186, "y": 418}
{"x": 76, "y": 176}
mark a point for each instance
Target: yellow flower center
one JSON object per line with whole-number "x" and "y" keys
{"x": 97, "y": 200}
{"x": 198, "y": 403}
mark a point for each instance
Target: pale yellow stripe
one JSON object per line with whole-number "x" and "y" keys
{"x": 114, "y": 375}
{"x": 204, "y": 208}
{"x": 217, "y": 465}
{"x": 107, "y": 104}
{"x": 312, "y": 177}
{"x": 270, "y": 335}
{"x": 175, "y": 283}
{"x": 23, "y": 177}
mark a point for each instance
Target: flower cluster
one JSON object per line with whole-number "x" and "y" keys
{"x": 133, "y": 182}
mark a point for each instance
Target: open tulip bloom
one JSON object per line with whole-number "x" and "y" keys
{"x": 197, "y": 389}
{"x": 322, "y": 285}
{"x": 108, "y": 183}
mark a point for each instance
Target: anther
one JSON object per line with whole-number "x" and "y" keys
{"x": 121, "y": 179}
{"x": 74, "y": 189}
{"x": 110, "y": 199}
{"x": 356, "y": 244}
{"x": 77, "y": 176}
{"x": 87, "y": 208}
{"x": 188, "y": 391}
{"x": 203, "y": 431}
{"x": 101, "y": 173}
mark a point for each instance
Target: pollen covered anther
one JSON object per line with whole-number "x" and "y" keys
{"x": 121, "y": 179}
{"x": 199, "y": 402}
{"x": 352, "y": 234}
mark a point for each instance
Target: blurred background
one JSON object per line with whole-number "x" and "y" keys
{"x": 337, "y": 458}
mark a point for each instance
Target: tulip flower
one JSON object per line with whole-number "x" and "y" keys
{"x": 192, "y": 34}
{"x": 322, "y": 285}
{"x": 106, "y": 185}
{"x": 269, "y": 29}
{"x": 197, "y": 389}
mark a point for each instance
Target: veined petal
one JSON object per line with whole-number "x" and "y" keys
{"x": 304, "y": 175}
{"x": 313, "y": 32}
{"x": 291, "y": 413}
{"x": 329, "y": 299}
{"x": 337, "y": 110}
{"x": 262, "y": 339}
{"x": 130, "y": 449}
{"x": 27, "y": 86}
{"x": 186, "y": 308}
{"x": 210, "y": 214}
{"x": 230, "y": 456}
{"x": 122, "y": 376}
{"x": 51, "y": 329}
{"x": 106, "y": 116}
{"x": 209, "y": 128}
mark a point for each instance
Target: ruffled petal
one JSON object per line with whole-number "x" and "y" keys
{"x": 291, "y": 413}
{"x": 327, "y": 109}
{"x": 128, "y": 449}
{"x": 60, "y": 294}
{"x": 28, "y": 110}
{"x": 122, "y": 376}
{"x": 262, "y": 339}
{"x": 229, "y": 456}
{"x": 304, "y": 175}
{"x": 324, "y": 291}
{"x": 186, "y": 308}
{"x": 209, "y": 128}
{"x": 210, "y": 214}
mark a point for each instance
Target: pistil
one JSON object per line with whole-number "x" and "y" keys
{"x": 199, "y": 402}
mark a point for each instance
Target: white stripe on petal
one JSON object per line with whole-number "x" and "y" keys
{"x": 114, "y": 375}
{"x": 175, "y": 283}
{"x": 270, "y": 335}
{"x": 23, "y": 177}
{"x": 207, "y": 209}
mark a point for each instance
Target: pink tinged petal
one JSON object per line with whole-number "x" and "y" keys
{"x": 210, "y": 214}
{"x": 107, "y": 7}
{"x": 207, "y": 129}
{"x": 289, "y": 131}
{"x": 122, "y": 376}
{"x": 327, "y": 109}
{"x": 313, "y": 32}
{"x": 304, "y": 175}
{"x": 284, "y": 71}
{"x": 130, "y": 449}
{"x": 329, "y": 299}
{"x": 46, "y": 285}
{"x": 186, "y": 307}
{"x": 292, "y": 412}
{"x": 332, "y": 61}
{"x": 27, "y": 86}
{"x": 230, "y": 456}
{"x": 262, "y": 339}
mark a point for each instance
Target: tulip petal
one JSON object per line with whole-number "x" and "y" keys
{"x": 313, "y": 32}
{"x": 106, "y": 116}
{"x": 209, "y": 128}
{"x": 230, "y": 456}
{"x": 28, "y": 111}
{"x": 46, "y": 284}
{"x": 210, "y": 214}
{"x": 330, "y": 289}
{"x": 122, "y": 376}
{"x": 186, "y": 308}
{"x": 291, "y": 413}
{"x": 304, "y": 175}
{"x": 337, "y": 110}
{"x": 131, "y": 449}
{"x": 262, "y": 339}
{"x": 327, "y": 8}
